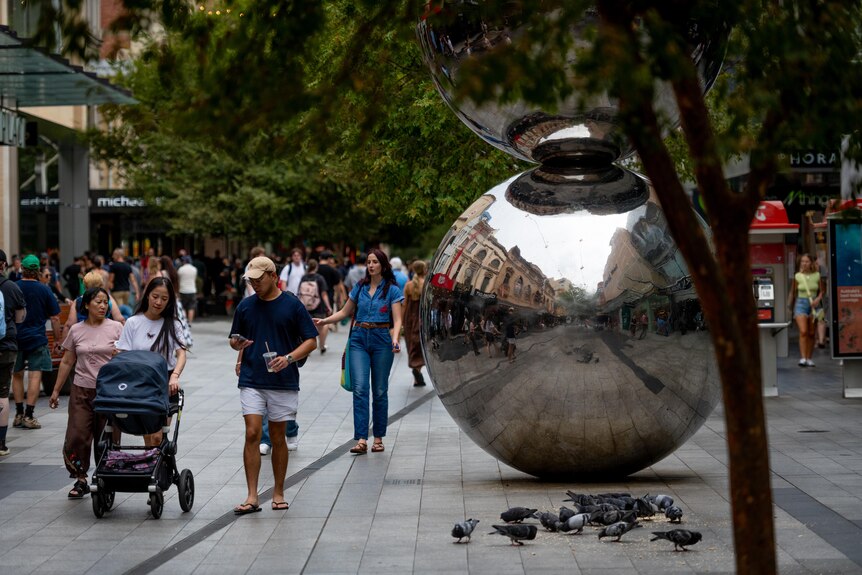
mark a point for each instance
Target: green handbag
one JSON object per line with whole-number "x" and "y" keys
{"x": 346, "y": 383}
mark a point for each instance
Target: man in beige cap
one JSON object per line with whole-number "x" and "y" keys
{"x": 276, "y": 334}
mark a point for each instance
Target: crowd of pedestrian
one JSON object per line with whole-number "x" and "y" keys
{"x": 281, "y": 314}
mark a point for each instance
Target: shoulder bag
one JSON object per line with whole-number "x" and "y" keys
{"x": 346, "y": 383}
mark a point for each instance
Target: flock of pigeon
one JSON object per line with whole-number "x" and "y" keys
{"x": 615, "y": 513}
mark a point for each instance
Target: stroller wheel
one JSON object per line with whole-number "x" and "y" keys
{"x": 107, "y": 495}
{"x": 108, "y": 499}
{"x": 186, "y": 490}
{"x": 99, "y": 507}
{"x": 157, "y": 503}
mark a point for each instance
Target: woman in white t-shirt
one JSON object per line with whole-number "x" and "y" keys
{"x": 156, "y": 327}
{"x": 88, "y": 346}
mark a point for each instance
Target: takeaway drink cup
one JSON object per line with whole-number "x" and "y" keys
{"x": 268, "y": 357}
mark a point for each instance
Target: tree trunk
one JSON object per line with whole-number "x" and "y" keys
{"x": 722, "y": 279}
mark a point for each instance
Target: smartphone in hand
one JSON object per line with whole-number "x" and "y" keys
{"x": 238, "y": 337}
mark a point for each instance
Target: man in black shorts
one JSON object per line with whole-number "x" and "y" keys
{"x": 121, "y": 280}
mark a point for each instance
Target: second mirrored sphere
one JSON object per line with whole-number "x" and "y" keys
{"x": 584, "y": 128}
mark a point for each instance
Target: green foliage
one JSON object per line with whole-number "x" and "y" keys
{"x": 252, "y": 124}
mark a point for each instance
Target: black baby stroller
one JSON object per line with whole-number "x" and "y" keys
{"x": 132, "y": 391}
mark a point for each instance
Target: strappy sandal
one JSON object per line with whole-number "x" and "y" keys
{"x": 79, "y": 490}
{"x": 361, "y": 448}
{"x": 377, "y": 447}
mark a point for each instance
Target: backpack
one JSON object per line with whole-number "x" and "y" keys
{"x": 309, "y": 294}
{"x": 2, "y": 316}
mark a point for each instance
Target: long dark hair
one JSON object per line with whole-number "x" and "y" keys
{"x": 168, "y": 333}
{"x": 168, "y": 267}
{"x": 88, "y": 297}
{"x": 385, "y": 271}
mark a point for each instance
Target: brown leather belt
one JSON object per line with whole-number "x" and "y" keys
{"x": 370, "y": 325}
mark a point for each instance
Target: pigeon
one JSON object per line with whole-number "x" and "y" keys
{"x": 575, "y": 523}
{"x": 548, "y": 520}
{"x": 617, "y": 529}
{"x": 517, "y": 514}
{"x": 516, "y": 533}
{"x": 663, "y": 501}
{"x": 565, "y": 513}
{"x": 614, "y": 516}
{"x": 679, "y": 537}
{"x": 464, "y": 529}
{"x": 579, "y": 498}
{"x": 673, "y": 513}
{"x": 618, "y": 495}
{"x": 644, "y": 507}
{"x": 616, "y": 502}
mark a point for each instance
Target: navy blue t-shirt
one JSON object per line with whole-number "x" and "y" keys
{"x": 41, "y": 305}
{"x": 283, "y": 324}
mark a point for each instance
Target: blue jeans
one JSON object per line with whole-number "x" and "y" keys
{"x": 371, "y": 359}
{"x": 291, "y": 431}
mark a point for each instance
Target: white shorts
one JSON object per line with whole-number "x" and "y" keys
{"x": 276, "y": 405}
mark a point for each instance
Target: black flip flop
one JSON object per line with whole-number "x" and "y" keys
{"x": 280, "y": 505}
{"x": 246, "y": 508}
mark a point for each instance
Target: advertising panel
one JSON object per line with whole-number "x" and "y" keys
{"x": 846, "y": 263}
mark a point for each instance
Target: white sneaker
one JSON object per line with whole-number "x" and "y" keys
{"x": 264, "y": 449}
{"x": 803, "y": 362}
{"x": 809, "y": 363}
{"x": 292, "y": 445}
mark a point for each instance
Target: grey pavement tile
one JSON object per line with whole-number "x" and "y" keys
{"x": 122, "y": 558}
{"x": 832, "y": 566}
{"x": 185, "y": 563}
{"x": 63, "y": 567}
{"x": 369, "y": 514}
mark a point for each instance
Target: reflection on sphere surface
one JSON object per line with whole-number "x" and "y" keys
{"x": 592, "y": 390}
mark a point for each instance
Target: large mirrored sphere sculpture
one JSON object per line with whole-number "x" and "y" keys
{"x": 561, "y": 328}
{"x": 587, "y": 129}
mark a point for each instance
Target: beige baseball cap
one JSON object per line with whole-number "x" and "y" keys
{"x": 259, "y": 266}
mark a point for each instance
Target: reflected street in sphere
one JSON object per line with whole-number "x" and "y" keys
{"x": 612, "y": 367}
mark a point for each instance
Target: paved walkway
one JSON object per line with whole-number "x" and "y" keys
{"x": 392, "y": 512}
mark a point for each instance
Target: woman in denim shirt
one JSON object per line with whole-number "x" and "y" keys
{"x": 377, "y": 302}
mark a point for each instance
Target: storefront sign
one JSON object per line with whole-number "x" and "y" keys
{"x": 40, "y": 202}
{"x": 846, "y": 266}
{"x": 120, "y": 202}
{"x": 484, "y": 295}
{"x": 13, "y": 129}
{"x": 109, "y": 202}
{"x": 813, "y": 159}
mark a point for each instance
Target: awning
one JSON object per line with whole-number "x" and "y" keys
{"x": 33, "y": 77}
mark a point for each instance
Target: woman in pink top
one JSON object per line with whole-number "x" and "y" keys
{"x": 88, "y": 346}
